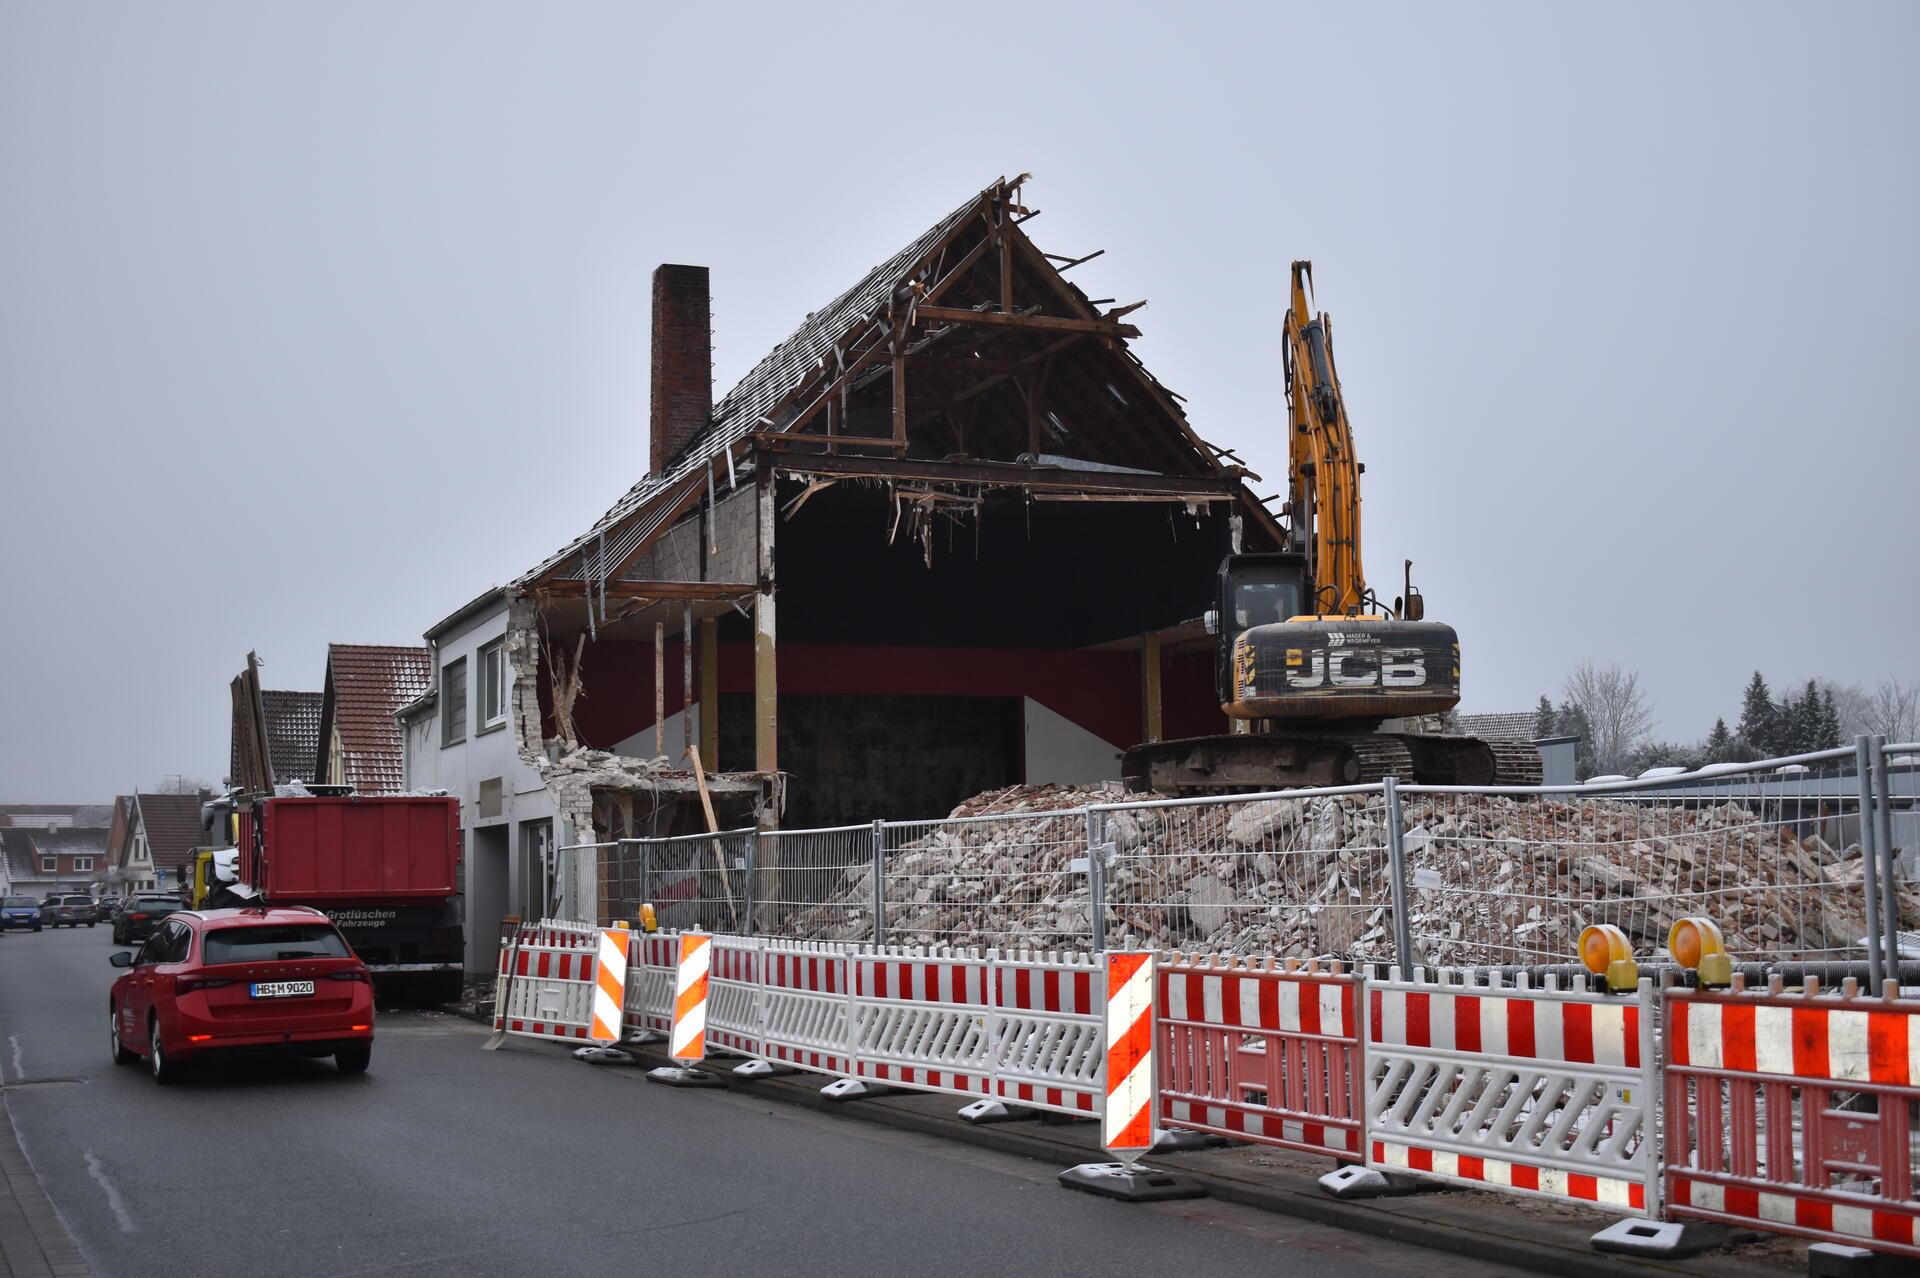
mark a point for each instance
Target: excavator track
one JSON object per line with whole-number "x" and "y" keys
{"x": 1285, "y": 761}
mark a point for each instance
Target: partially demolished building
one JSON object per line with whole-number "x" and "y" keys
{"x": 949, "y": 535}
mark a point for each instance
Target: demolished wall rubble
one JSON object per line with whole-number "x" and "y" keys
{"x": 1492, "y": 878}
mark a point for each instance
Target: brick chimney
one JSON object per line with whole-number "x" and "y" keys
{"x": 682, "y": 360}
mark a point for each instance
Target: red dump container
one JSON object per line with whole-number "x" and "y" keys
{"x": 356, "y": 849}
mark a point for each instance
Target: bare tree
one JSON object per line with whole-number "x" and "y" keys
{"x": 1852, "y": 704}
{"x": 1618, "y": 711}
{"x": 179, "y": 783}
{"x": 1893, "y": 710}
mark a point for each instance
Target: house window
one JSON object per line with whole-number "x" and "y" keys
{"x": 493, "y": 684}
{"x": 453, "y": 702}
{"x": 82, "y": 864}
{"x": 50, "y": 864}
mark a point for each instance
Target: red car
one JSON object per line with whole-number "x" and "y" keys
{"x": 211, "y": 981}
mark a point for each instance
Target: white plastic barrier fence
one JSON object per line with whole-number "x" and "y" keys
{"x": 652, "y": 958}
{"x": 924, "y": 1021}
{"x": 733, "y": 996}
{"x": 805, "y": 1006}
{"x": 1049, "y": 1019}
{"x": 546, "y": 986}
{"x": 1533, "y": 1090}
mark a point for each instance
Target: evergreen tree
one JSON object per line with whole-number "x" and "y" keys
{"x": 1719, "y": 747}
{"x": 1571, "y": 721}
{"x": 1757, "y": 716}
{"x": 1545, "y": 723}
{"x": 1807, "y": 719}
{"x": 1829, "y": 721}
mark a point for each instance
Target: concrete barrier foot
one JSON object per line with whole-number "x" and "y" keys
{"x": 1354, "y": 1181}
{"x": 1668, "y": 1239}
{"x": 1130, "y": 1182}
{"x": 682, "y": 1076}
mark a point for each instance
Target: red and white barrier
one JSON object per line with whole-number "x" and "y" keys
{"x": 547, "y": 989}
{"x": 1533, "y": 1090}
{"x": 1795, "y": 1113}
{"x": 805, "y": 1006}
{"x": 653, "y": 960}
{"x": 1262, "y": 1052}
{"x": 923, "y": 1021}
{"x": 1049, "y": 1017}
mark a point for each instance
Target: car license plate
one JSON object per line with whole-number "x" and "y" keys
{"x": 280, "y": 989}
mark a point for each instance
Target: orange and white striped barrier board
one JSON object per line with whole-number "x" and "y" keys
{"x": 1126, "y": 1124}
{"x": 610, "y": 986}
{"x": 687, "y": 1041}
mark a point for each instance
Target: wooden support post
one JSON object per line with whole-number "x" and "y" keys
{"x": 710, "y": 690}
{"x": 766, "y": 699}
{"x": 900, "y": 400}
{"x": 1150, "y": 685}
{"x": 686, "y": 676}
{"x": 659, "y": 688}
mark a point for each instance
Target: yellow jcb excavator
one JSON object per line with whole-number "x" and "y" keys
{"x": 1315, "y": 673}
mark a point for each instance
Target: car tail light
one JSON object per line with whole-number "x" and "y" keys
{"x": 187, "y": 984}
{"x": 360, "y": 1027}
{"x": 198, "y": 1038}
{"x": 136, "y": 916}
{"x": 357, "y": 974}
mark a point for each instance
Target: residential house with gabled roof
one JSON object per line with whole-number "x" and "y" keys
{"x": 358, "y": 734}
{"x": 990, "y": 531}
{"x": 41, "y": 861}
{"x": 159, "y": 836}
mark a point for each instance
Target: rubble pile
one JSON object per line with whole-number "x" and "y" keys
{"x": 1492, "y": 879}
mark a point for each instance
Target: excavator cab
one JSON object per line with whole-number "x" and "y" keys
{"x": 1255, "y": 590}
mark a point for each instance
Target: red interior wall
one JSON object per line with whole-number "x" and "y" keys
{"x": 1098, "y": 691}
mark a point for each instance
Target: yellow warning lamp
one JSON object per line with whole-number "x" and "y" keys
{"x": 1605, "y": 952}
{"x": 648, "y": 923}
{"x": 1696, "y": 944}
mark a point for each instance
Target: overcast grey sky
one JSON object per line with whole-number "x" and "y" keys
{"x": 316, "y": 322}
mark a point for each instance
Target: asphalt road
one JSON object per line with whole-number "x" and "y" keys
{"x": 445, "y": 1159}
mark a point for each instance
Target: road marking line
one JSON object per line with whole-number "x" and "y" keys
{"x": 19, "y": 1070}
{"x": 114, "y": 1204}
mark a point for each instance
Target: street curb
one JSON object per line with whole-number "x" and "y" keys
{"x": 1393, "y": 1219}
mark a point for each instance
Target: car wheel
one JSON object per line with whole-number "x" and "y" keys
{"x": 163, "y": 1069}
{"x": 92, "y": 922}
{"x": 121, "y": 1056}
{"x": 354, "y": 1059}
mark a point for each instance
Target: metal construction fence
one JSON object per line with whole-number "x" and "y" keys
{"x": 1808, "y": 860}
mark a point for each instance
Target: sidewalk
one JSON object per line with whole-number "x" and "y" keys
{"x": 1524, "y": 1232}
{"x": 33, "y": 1241}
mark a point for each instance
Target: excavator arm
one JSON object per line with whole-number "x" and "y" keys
{"x": 1325, "y": 497}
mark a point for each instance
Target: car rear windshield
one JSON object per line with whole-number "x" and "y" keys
{"x": 16, "y": 902}
{"x": 277, "y": 941}
{"x": 75, "y": 900}
{"x": 157, "y": 902}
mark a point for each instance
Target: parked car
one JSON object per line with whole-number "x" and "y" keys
{"x": 141, "y": 914}
{"x": 234, "y": 981}
{"x": 22, "y": 912}
{"x": 68, "y": 911}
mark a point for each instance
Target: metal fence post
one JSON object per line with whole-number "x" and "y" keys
{"x": 1405, "y": 956}
{"x": 879, "y": 882}
{"x": 1097, "y": 878}
{"x": 1883, "y": 841}
{"x": 646, "y": 871}
{"x": 1869, "y": 861}
{"x": 746, "y": 886}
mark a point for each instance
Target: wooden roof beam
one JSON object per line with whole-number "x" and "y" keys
{"x": 1039, "y": 323}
